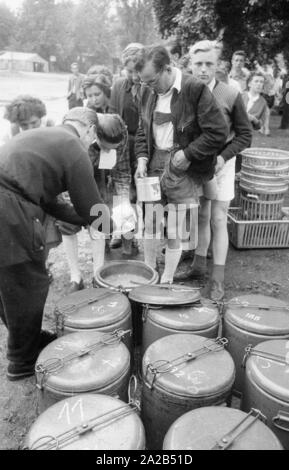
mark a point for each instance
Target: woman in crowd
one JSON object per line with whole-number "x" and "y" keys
{"x": 255, "y": 103}
{"x": 124, "y": 101}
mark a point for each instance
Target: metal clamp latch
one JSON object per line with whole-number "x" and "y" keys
{"x": 54, "y": 365}
{"x": 163, "y": 366}
{"x": 282, "y": 417}
{"x": 229, "y": 438}
{"x": 251, "y": 351}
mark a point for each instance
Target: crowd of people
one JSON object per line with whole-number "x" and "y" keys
{"x": 181, "y": 119}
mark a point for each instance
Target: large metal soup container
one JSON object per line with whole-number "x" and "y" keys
{"x": 252, "y": 319}
{"x": 87, "y": 422}
{"x": 180, "y": 373}
{"x": 220, "y": 428}
{"x": 89, "y": 362}
{"x": 93, "y": 310}
{"x": 267, "y": 385}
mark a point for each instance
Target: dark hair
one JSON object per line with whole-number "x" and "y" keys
{"x": 254, "y": 74}
{"x": 176, "y": 49}
{"x": 157, "y": 54}
{"x": 23, "y": 107}
{"x": 113, "y": 131}
{"x": 100, "y": 70}
{"x": 241, "y": 53}
{"x": 100, "y": 80}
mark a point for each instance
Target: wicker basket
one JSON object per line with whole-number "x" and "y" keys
{"x": 261, "y": 206}
{"x": 244, "y": 234}
{"x": 266, "y": 158}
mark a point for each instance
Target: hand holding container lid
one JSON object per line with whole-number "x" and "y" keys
{"x": 93, "y": 310}
{"x": 88, "y": 422}
{"x": 251, "y": 319}
{"x": 180, "y": 373}
{"x": 267, "y": 384}
{"x": 145, "y": 298}
{"x": 220, "y": 428}
{"x": 80, "y": 363}
{"x": 170, "y": 309}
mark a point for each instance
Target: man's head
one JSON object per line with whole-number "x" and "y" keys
{"x": 238, "y": 60}
{"x": 256, "y": 82}
{"x": 74, "y": 68}
{"x": 25, "y": 111}
{"x": 204, "y": 60}
{"x": 154, "y": 67}
{"x": 129, "y": 58}
{"x": 105, "y": 131}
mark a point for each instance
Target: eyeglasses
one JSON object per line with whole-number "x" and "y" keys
{"x": 153, "y": 82}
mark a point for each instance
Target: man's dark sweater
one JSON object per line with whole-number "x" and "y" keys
{"x": 35, "y": 167}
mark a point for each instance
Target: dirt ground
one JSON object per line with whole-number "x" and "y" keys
{"x": 248, "y": 271}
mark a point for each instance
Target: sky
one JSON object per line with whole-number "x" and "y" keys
{"x": 14, "y": 5}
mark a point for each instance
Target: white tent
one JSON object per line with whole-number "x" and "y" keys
{"x": 23, "y": 61}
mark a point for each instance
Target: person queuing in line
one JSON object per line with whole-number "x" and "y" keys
{"x": 213, "y": 214}
{"x": 34, "y": 170}
{"x": 112, "y": 179}
{"x": 222, "y": 74}
{"x": 75, "y": 92}
{"x": 26, "y": 112}
{"x": 238, "y": 71}
{"x": 255, "y": 103}
{"x": 179, "y": 117}
{"x": 125, "y": 101}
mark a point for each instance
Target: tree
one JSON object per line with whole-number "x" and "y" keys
{"x": 92, "y": 33}
{"x": 166, "y": 12}
{"x": 260, "y": 27}
{"x": 196, "y": 21}
{"x": 135, "y": 22}
{"x": 37, "y": 28}
{"x": 7, "y": 25}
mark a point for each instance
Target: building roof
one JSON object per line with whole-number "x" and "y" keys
{"x": 23, "y": 56}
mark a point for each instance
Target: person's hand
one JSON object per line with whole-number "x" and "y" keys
{"x": 141, "y": 171}
{"x": 252, "y": 118}
{"x": 220, "y": 164}
{"x": 180, "y": 160}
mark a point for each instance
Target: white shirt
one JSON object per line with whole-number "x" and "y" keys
{"x": 251, "y": 101}
{"x": 164, "y": 134}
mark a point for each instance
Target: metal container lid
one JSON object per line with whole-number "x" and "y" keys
{"x": 59, "y": 368}
{"x": 268, "y": 366}
{"x": 188, "y": 365}
{"x": 259, "y": 314}
{"x": 117, "y": 425}
{"x": 197, "y": 317}
{"x": 204, "y": 429}
{"x": 93, "y": 308}
{"x": 165, "y": 294}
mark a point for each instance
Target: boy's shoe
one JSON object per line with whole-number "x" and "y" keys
{"x": 18, "y": 371}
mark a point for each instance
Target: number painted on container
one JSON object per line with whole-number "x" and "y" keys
{"x": 67, "y": 411}
{"x": 251, "y": 316}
